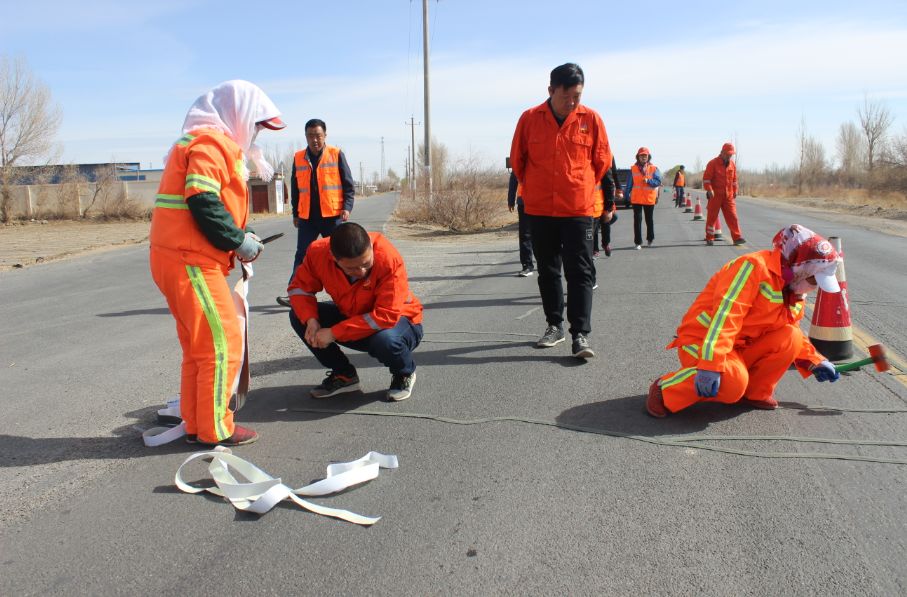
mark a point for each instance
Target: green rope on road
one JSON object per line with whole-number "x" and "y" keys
{"x": 670, "y": 441}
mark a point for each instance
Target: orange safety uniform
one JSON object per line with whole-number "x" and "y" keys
{"x": 371, "y": 304}
{"x": 679, "y": 179}
{"x": 599, "y": 206}
{"x": 741, "y": 326}
{"x": 191, "y": 273}
{"x": 641, "y": 193}
{"x": 721, "y": 180}
{"x": 559, "y": 165}
{"x": 330, "y": 187}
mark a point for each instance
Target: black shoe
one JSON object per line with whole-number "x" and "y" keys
{"x": 401, "y": 387}
{"x": 191, "y": 438}
{"x": 709, "y": 242}
{"x": 553, "y": 336}
{"x": 526, "y": 272}
{"x": 336, "y": 383}
{"x": 739, "y": 241}
{"x": 581, "y": 347}
{"x": 607, "y": 250}
{"x": 283, "y": 301}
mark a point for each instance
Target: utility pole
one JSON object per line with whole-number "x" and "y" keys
{"x": 412, "y": 130}
{"x": 361, "y": 180}
{"x": 427, "y": 99}
{"x": 383, "y": 173}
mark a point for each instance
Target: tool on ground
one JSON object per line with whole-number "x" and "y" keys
{"x": 268, "y": 239}
{"x": 876, "y": 357}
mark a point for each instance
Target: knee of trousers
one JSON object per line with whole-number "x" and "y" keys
{"x": 387, "y": 343}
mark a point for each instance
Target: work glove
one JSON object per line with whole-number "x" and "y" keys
{"x": 825, "y": 371}
{"x": 707, "y": 383}
{"x": 250, "y": 248}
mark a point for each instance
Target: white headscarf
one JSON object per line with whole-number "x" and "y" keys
{"x": 234, "y": 108}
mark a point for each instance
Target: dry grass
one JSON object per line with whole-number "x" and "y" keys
{"x": 885, "y": 204}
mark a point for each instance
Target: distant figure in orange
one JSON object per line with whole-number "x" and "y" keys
{"x": 720, "y": 183}
{"x": 742, "y": 332}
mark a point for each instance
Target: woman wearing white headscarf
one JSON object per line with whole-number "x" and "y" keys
{"x": 197, "y": 227}
{"x": 742, "y": 332}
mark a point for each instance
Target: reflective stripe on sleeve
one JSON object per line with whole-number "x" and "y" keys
{"x": 199, "y": 181}
{"x": 299, "y": 292}
{"x": 704, "y": 318}
{"x": 371, "y": 322}
{"x": 733, "y": 292}
{"x": 170, "y": 201}
{"x": 679, "y": 377}
{"x": 774, "y": 296}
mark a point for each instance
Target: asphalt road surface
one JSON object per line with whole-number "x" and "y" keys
{"x": 89, "y": 353}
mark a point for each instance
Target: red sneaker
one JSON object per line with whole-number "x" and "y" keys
{"x": 240, "y": 437}
{"x": 769, "y": 404}
{"x": 655, "y": 404}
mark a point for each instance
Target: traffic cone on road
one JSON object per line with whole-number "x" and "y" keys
{"x": 697, "y": 213}
{"x": 830, "y": 330}
{"x": 718, "y": 235}
{"x": 688, "y": 206}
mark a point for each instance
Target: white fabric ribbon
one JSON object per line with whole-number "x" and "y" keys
{"x": 158, "y": 436}
{"x": 257, "y": 491}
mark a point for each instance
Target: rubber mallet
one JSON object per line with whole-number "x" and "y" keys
{"x": 876, "y": 357}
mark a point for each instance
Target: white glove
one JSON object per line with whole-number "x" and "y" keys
{"x": 250, "y": 248}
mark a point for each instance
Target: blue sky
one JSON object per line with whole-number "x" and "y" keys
{"x": 677, "y": 77}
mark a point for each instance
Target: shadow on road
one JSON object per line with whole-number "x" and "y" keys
{"x": 158, "y": 311}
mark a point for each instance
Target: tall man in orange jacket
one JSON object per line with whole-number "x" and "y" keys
{"x": 559, "y": 153}
{"x": 197, "y": 227}
{"x": 373, "y": 309}
{"x": 720, "y": 183}
{"x": 322, "y": 191}
{"x": 742, "y": 332}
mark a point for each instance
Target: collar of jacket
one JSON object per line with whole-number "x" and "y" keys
{"x": 546, "y": 110}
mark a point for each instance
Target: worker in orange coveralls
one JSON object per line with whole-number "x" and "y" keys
{"x": 742, "y": 332}
{"x": 720, "y": 183}
{"x": 197, "y": 227}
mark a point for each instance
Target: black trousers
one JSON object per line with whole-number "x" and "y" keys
{"x": 564, "y": 243}
{"x": 525, "y": 237}
{"x": 605, "y": 227}
{"x": 637, "y": 223}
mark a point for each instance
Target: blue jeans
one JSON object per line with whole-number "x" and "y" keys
{"x": 307, "y": 232}
{"x": 393, "y": 347}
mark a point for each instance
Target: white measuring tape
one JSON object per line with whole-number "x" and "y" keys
{"x": 257, "y": 491}
{"x": 158, "y": 436}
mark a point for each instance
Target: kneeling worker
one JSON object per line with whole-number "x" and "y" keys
{"x": 742, "y": 332}
{"x": 372, "y": 309}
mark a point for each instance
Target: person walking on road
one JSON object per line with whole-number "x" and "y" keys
{"x": 742, "y": 332}
{"x": 515, "y": 199}
{"x": 372, "y": 309}
{"x": 198, "y": 226}
{"x": 322, "y": 191}
{"x": 642, "y": 189}
{"x": 559, "y": 153}
{"x": 720, "y": 183}
{"x": 679, "y": 186}
{"x": 611, "y": 193}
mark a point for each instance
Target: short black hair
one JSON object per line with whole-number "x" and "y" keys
{"x": 316, "y": 122}
{"x": 567, "y": 76}
{"x": 349, "y": 240}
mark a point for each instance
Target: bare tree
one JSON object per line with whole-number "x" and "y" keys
{"x": 29, "y": 121}
{"x": 875, "y": 120}
{"x": 439, "y": 163}
{"x": 812, "y": 165}
{"x": 849, "y": 145}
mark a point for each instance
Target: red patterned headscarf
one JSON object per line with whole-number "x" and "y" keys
{"x": 805, "y": 254}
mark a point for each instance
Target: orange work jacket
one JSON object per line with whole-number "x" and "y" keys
{"x": 330, "y": 188}
{"x": 599, "y": 205}
{"x": 642, "y": 193}
{"x": 371, "y": 304}
{"x": 720, "y": 179}
{"x": 559, "y": 166}
{"x": 740, "y": 303}
{"x": 203, "y": 161}
{"x": 679, "y": 179}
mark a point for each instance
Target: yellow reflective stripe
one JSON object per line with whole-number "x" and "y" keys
{"x": 170, "y": 201}
{"x": 704, "y": 318}
{"x": 679, "y": 377}
{"x": 238, "y": 166}
{"x": 692, "y": 349}
{"x": 332, "y": 187}
{"x": 774, "y": 296}
{"x": 199, "y": 181}
{"x": 708, "y": 347}
{"x": 185, "y": 140}
{"x": 796, "y": 308}
{"x": 203, "y": 293}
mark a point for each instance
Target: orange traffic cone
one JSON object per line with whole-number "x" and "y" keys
{"x": 688, "y": 206}
{"x": 717, "y": 234}
{"x": 697, "y": 213}
{"x": 830, "y": 330}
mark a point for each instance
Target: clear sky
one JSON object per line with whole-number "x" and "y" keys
{"x": 677, "y": 77}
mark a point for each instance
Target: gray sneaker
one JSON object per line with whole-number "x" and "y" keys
{"x": 401, "y": 386}
{"x": 581, "y": 347}
{"x": 553, "y": 336}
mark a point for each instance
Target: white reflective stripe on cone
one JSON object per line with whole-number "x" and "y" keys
{"x": 259, "y": 492}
